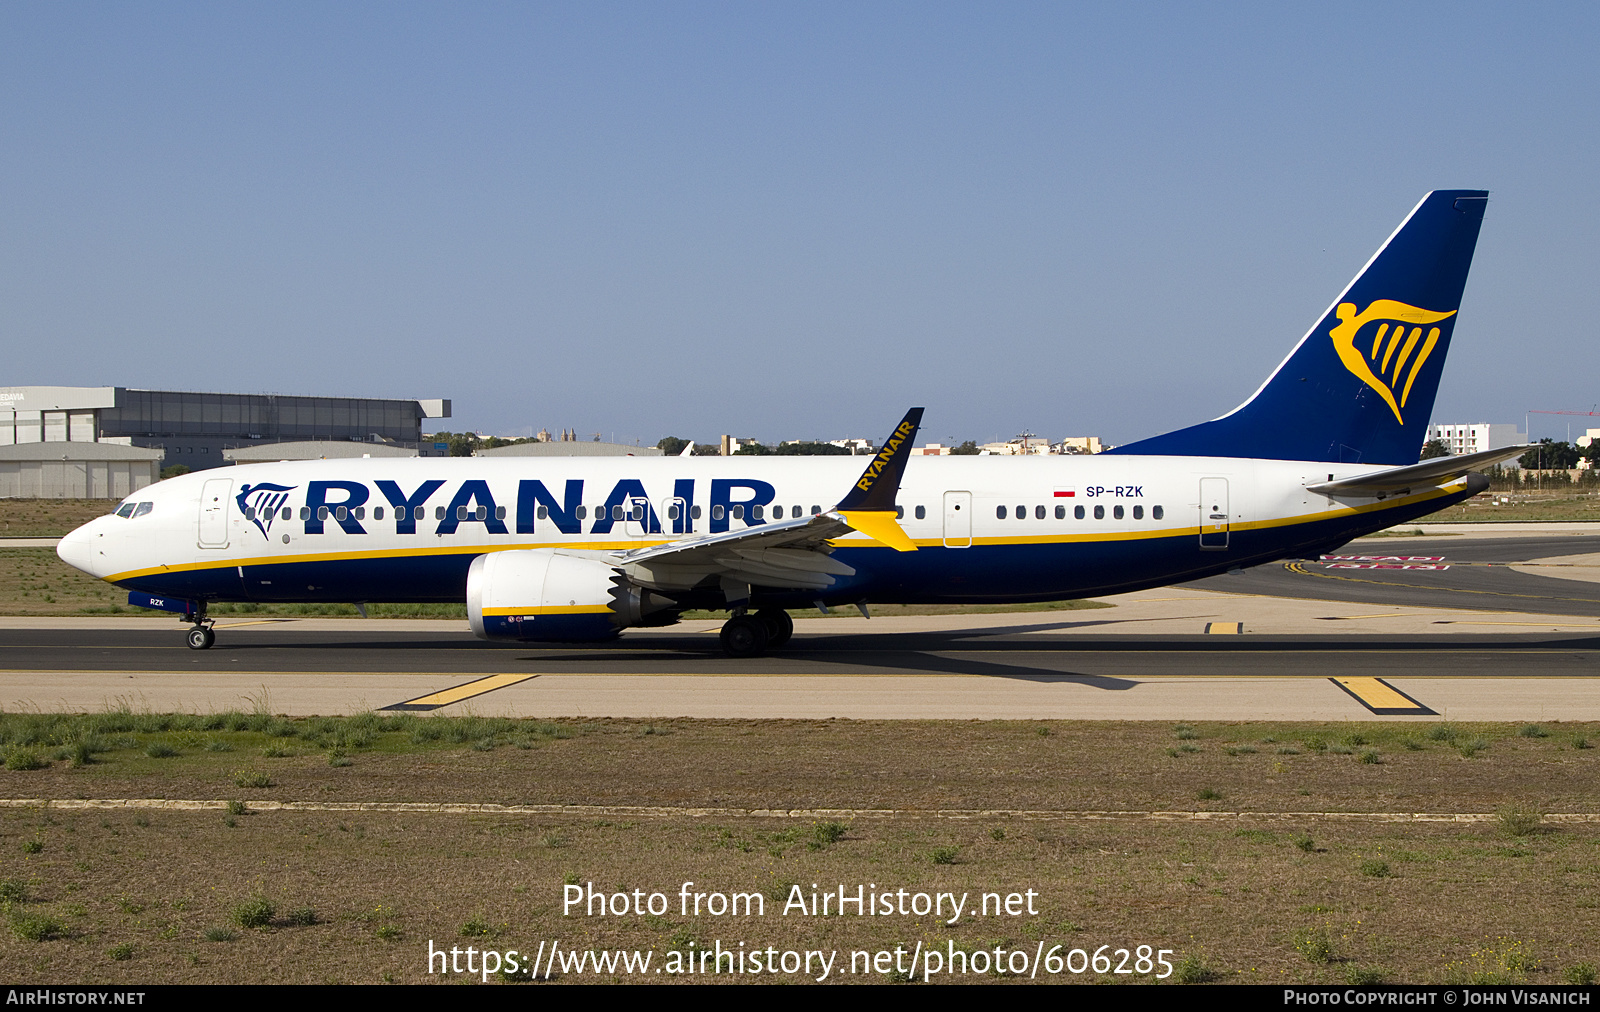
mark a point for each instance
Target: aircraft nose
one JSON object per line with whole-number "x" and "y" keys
{"x": 77, "y": 549}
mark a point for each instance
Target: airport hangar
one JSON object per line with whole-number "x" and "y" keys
{"x": 107, "y": 442}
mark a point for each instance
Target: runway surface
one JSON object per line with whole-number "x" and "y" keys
{"x": 1479, "y": 641}
{"x": 1483, "y": 574}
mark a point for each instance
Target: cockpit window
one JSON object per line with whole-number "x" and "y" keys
{"x": 142, "y": 509}
{"x": 125, "y": 510}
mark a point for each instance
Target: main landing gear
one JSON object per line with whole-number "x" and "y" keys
{"x": 746, "y": 635}
{"x": 200, "y": 635}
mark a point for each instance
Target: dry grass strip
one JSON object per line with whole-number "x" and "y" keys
{"x": 637, "y": 811}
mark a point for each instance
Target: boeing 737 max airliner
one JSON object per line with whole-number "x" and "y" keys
{"x": 578, "y": 549}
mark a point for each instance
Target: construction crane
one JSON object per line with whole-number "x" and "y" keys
{"x": 1535, "y": 411}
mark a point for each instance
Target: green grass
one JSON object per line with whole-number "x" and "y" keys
{"x": 37, "y": 927}
{"x": 945, "y": 855}
{"x": 255, "y": 912}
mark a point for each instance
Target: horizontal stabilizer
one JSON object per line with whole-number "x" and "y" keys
{"x": 1429, "y": 472}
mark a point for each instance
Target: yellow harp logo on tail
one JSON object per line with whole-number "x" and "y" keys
{"x": 1393, "y": 353}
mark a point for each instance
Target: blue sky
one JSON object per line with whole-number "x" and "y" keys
{"x": 782, "y": 220}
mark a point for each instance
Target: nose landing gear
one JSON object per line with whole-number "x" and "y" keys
{"x": 200, "y": 637}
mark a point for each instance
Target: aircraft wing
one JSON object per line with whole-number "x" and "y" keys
{"x": 783, "y": 553}
{"x": 790, "y": 554}
{"x": 1429, "y": 472}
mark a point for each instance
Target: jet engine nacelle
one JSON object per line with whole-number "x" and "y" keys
{"x": 548, "y": 594}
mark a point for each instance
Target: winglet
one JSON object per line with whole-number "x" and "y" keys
{"x": 870, "y": 505}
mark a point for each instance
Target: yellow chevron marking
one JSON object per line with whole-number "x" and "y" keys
{"x": 444, "y": 697}
{"x": 1380, "y": 697}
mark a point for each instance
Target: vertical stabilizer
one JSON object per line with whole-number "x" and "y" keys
{"x": 1359, "y": 387}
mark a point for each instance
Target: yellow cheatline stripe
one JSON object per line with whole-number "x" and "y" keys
{"x": 1224, "y": 628}
{"x": 444, "y": 697}
{"x": 622, "y": 546}
{"x": 1380, "y": 697}
{"x": 553, "y": 609}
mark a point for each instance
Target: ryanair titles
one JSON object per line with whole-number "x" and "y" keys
{"x": 430, "y": 507}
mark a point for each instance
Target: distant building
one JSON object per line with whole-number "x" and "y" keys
{"x": 1476, "y": 437}
{"x": 931, "y": 450}
{"x": 76, "y": 470}
{"x": 570, "y": 448}
{"x": 1079, "y": 444}
{"x": 1025, "y": 445}
{"x": 315, "y": 449}
{"x": 194, "y": 429}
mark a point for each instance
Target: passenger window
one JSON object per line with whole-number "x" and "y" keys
{"x": 125, "y": 510}
{"x": 777, "y": 512}
{"x": 796, "y": 511}
{"x": 1156, "y": 512}
{"x": 1099, "y": 512}
{"x": 438, "y": 512}
{"x": 499, "y": 512}
{"x": 288, "y": 512}
{"x": 922, "y": 512}
{"x": 672, "y": 512}
{"x": 616, "y": 512}
{"x": 543, "y": 513}
{"x": 637, "y": 513}
{"x": 322, "y": 512}
{"x": 1077, "y": 512}
{"x": 1138, "y": 512}
{"x": 1000, "y": 512}
{"x": 361, "y": 513}
{"x": 340, "y": 513}
{"x": 716, "y": 512}
{"x": 738, "y": 512}
{"x": 816, "y": 510}
{"x": 1116, "y": 512}
{"x": 377, "y": 513}
{"x": 483, "y": 512}
{"x": 899, "y": 512}
{"x": 143, "y": 508}
{"x": 249, "y": 512}
{"x": 1038, "y": 512}
{"x": 1022, "y": 512}
{"x": 694, "y": 513}
{"x": 419, "y": 513}
{"x": 1061, "y": 512}
{"x": 756, "y": 511}
{"x": 583, "y": 511}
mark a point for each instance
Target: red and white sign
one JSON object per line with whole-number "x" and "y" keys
{"x": 1386, "y": 565}
{"x": 1381, "y": 558}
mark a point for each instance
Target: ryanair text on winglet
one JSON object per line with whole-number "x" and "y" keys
{"x": 884, "y": 456}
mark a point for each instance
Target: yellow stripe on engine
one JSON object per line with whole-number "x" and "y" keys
{"x": 551, "y": 609}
